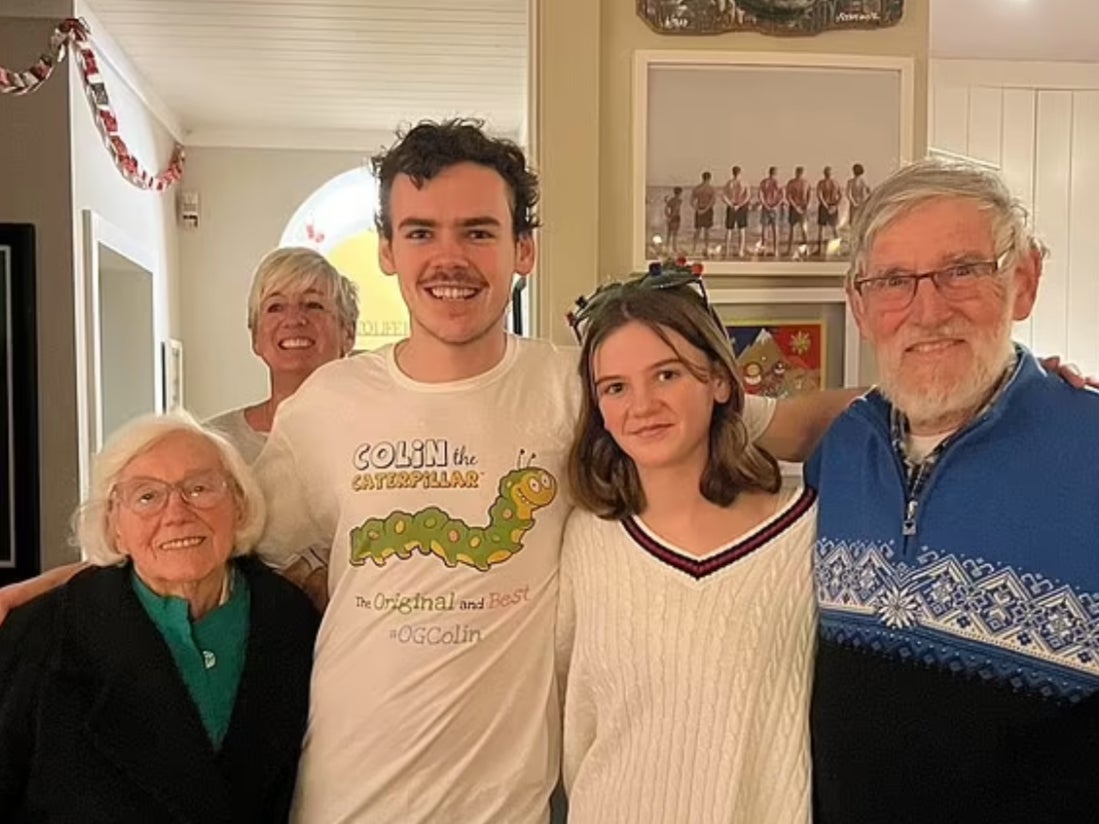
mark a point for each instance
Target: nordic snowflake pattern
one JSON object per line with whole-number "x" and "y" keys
{"x": 1018, "y": 626}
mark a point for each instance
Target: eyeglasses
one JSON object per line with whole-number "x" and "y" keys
{"x": 667, "y": 275}
{"x": 959, "y": 281}
{"x": 149, "y": 496}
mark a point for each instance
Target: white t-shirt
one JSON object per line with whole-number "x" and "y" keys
{"x": 234, "y": 427}
{"x": 433, "y": 695}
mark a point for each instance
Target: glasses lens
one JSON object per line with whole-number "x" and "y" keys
{"x": 886, "y": 292}
{"x": 143, "y": 495}
{"x": 204, "y": 489}
{"x": 148, "y": 496}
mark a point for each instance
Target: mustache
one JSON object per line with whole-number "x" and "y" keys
{"x": 921, "y": 334}
{"x": 453, "y": 277}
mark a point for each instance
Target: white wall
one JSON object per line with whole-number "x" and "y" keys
{"x": 1039, "y": 122}
{"x": 246, "y": 197}
{"x": 145, "y": 218}
{"x": 128, "y": 345}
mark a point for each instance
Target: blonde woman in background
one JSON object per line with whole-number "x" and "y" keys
{"x": 302, "y": 314}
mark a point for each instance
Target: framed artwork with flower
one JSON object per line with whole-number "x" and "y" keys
{"x": 791, "y": 339}
{"x": 780, "y": 358}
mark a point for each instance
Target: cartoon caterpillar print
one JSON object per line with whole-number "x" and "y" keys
{"x": 433, "y": 531}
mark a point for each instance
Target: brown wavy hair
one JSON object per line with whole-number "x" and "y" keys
{"x": 604, "y": 478}
{"x": 430, "y": 147}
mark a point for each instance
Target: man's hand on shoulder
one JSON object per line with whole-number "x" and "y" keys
{"x": 15, "y": 595}
{"x": 312, "y": 581}
{"x": 1068, "y": 372}
{"x": 799, "y": 422}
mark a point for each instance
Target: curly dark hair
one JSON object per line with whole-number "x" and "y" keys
{"x": 429, "y": 147}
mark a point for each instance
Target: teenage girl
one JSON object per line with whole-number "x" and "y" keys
{"x": 686, "y": 625}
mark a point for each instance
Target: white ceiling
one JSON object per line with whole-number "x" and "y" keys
{"x": 229, "y": 69}
{"x": 326, "y": 72}
{"x": 1015, "y": 29}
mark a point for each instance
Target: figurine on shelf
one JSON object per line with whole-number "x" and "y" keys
{"x": 703, "y": 197}
{"x": 673, "y": 217}
{"x": 737, "y": 195}
{"x": 858, "y": 191}
{"x": 798, "y": 194}
{"x": 829, "y": 194}
{"x": 770, "y": 200}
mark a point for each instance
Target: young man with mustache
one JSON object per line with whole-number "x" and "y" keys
{"x": 435, "y": 470}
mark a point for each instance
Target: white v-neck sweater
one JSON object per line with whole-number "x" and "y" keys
{"x": 687, "y": 680}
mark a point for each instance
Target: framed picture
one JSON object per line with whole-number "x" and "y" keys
{"x": 811, "y": 331}
{"x": 173, "y": 374}
{"x": 784, "y": 17}
{"x": 755, "y": 162}
{"x": 780, "y": 358}
{"x": 19, "y": 502}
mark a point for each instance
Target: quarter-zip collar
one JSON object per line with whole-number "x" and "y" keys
{"x": 891, "y": 423}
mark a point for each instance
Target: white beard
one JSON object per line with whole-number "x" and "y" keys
{"x": 933, "y": 398}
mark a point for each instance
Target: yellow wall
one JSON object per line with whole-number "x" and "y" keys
{"x": 584, "y": 53}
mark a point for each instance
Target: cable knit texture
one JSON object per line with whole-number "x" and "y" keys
{"x": 687, "y": 683}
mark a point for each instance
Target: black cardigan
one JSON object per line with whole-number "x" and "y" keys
{"x": 96, "y": 724}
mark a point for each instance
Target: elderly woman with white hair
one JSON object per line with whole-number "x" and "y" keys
{"x": 302, "y": 314}
{"x": 168, "y": 682}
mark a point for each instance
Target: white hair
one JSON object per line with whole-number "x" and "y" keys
{"x": 936, "y": 178}
{"x": 90, "y": 526}
{"x": 303, "y": 267}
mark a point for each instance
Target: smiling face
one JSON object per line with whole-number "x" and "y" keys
{"x": 939, "y": 359}
{"x": 652, "y": 402}
{"x": 298, "y": 329}
{"x": 178, "y": 545}
{"x": 531, "y": 489}
{"x": 454, "y": 253}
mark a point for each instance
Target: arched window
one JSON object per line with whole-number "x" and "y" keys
{"x": 338, "y": 221}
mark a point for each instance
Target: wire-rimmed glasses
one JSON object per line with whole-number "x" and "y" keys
{"x": 149, "y": 496}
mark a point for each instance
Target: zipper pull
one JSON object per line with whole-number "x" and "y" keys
{"x": 910, "y": 518}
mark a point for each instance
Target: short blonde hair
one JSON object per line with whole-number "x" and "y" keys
{"x": 302, "y": 267}
{"x": 90, "y": 525}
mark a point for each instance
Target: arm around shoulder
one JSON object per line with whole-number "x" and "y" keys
{"x": 291, "y": 528}
{"x": 16, "y": 595}
{"x": 799, "y": 423}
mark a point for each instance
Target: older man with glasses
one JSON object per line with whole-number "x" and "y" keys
{"x": 957, "y": 566}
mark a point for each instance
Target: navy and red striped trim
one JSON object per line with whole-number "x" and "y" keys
{"x": 699, "y": 568}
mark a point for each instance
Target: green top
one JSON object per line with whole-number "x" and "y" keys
{"x": 210, "y": 653}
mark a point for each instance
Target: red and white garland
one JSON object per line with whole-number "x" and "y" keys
{"x": 75, "y": 33}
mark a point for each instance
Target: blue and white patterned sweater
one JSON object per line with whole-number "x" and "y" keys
{"x": 957, "y": 648}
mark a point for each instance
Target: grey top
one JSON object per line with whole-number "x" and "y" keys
{"x": 235, "y": 428}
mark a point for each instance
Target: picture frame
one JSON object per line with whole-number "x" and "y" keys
{"x": 776, "y": 17}
{"x": 697, "y": 112}
{"x": 19, "y": 449}
{"x": 780, "y": 357}
{"x": 172, "y": 369}
{"x": 826, "y": 308}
